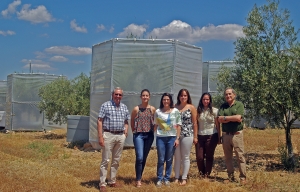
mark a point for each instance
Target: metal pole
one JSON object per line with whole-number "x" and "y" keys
{"x": 30, "y": 66}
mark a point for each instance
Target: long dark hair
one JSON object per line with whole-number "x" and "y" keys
{"x": 146, "y": 91}
{"x": 200, "y": 107}
{"x": 189, "y": 101}
{"x": 171, "y": 100}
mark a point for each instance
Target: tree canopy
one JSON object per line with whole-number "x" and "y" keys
{"x": 267, "y": 76}
{"x": 64, "y": 97}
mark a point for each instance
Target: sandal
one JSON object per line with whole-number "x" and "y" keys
{"x": 183, "y": 182}
{"x": 138, "y": 184}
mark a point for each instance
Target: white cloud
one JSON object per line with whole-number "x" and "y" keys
{"x": 58, "y": 58}
{"x": 40, "y": 55}
{"x": 75, "y": 27}
{"x": 100, "y": 27}
{"x": 112, "y": 29}
{"x": 185, "y": 32}
{"x": 11, "y": 9}
{"x": 8, "y": 32}
{"x": 68, "y": 50}
{"x": 136, "y": 30}
{"x": 37, "y": 64}
{"x": 37, "y": 15}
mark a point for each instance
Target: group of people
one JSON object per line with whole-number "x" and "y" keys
{"x": 176, "y": 127}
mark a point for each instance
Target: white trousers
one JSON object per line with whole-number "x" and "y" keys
{"x": 182, "y": 157}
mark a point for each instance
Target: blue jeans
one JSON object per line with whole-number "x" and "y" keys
{"x": 165, "y": 151}
{"x": 142, "y": 144}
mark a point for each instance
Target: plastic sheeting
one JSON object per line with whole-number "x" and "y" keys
{"x": 133, "y": 64}
{"x": 22, "y": 100}
{"x": 210, "y": 72}
{"x": 209, "y": 84}
{"x": 3, "y": 91}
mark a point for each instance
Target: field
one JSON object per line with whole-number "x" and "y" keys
{"x": 38, "y": 161}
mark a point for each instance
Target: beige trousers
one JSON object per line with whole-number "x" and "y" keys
{"x": 235, "y": 143}
{"x": 113, "y": 147}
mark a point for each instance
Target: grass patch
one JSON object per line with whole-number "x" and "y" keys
{"x": 41, "y": 149}
{"x": 46, "y": 162}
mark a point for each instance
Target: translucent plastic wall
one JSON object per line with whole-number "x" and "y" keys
{"x": 3, "y": 91}
{"x": 158, "y": 65}
{"x": 209, "y": 84}
{"x": 22, "y": 99}
{"x": 210, "y": 72}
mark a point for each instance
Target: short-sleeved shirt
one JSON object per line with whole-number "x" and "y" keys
{"x": 236, "y": 109}
{"x": 206, "y": 122}
{"x": 167, "y": 122}
{"x": 113, "y": 116}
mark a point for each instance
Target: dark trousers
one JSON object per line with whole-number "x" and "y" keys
{"x": 205, "y": 150}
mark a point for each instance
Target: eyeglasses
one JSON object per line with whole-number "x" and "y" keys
{"x": 116, "y": 94}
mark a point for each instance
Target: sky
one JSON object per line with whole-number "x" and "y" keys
{"x": 57, "y": 36}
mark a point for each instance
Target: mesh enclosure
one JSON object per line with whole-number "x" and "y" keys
{"x": 209, "y": 84}
{"x": 3, "y": 91}
{"x": 22, "y": 111}
{"x": 210, "y": 72}
{"x": 158, "y": 65}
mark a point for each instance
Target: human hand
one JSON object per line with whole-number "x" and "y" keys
{"x": 195, "y": 140}
{"x": 220, "y": 141}
{"x": 176, "y": 143}
{"x": 101, "y": 141}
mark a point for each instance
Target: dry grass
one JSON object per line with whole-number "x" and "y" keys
{"x": 43, "y": 162}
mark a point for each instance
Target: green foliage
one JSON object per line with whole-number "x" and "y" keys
{"x": 284, "y": 157}
{"x": 64, "y": 97}
{"x": 267, "y": 76}
{"x": 43, "y": 150}
{"x": 218, "y": 99}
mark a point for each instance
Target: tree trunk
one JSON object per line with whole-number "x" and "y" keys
{"x": 289, "y": 146}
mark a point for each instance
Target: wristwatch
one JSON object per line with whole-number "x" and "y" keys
{"x": 224, "y": 117}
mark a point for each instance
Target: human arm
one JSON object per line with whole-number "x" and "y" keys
{"x": 178, "y": 129}
{"x": 177, "y": 126}
{"x": 234, "y": 113}
{"x": 232, "y": 118}
{"x": 100, "y": 131}
{"x": 195, "y": 125}
{"x": 126, "y": 127}
{"x": 217, "y": 124}
{"x": 154, "y": 121}
{"x": 132, "y": 118}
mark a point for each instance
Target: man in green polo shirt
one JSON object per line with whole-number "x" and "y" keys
{"x": 231, "y": 116}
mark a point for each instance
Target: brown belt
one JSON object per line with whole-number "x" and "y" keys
{"x": 231, "y": 133}
{"x": 114, "y": 132}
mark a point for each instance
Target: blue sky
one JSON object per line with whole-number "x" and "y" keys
{"x": 57, "y": 36}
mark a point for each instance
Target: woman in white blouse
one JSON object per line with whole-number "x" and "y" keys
{"x": 208, "y": 134}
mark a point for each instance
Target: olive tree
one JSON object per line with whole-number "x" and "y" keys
{"x": 64, "y": 97}
{"x": 267, "y": 75}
